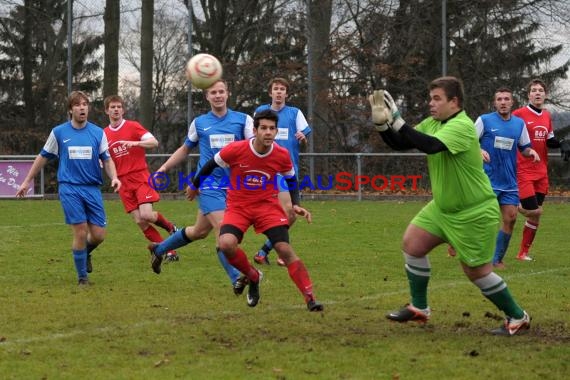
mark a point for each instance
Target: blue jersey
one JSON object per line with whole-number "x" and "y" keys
{"x": 501, "y": 138}
{"x": 291, "y": 120}
{"x": 211, "y": 133}
{"x": 79, "y": 152}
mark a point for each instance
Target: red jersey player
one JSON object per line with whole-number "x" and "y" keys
{"x": 532, "y": 177}
{"x": 127, "y": 143}
{"x": 252, "y": 200}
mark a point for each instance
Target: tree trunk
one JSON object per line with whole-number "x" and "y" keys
{"x": 319, "y": 23}
{"x": 27, "y": 66}
{"x": 147, "y": 24}
{"x": 112, "y": 21}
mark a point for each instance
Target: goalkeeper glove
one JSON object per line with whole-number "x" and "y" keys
{"x": 381, "y": 114}
{"x": 397, "y": 120}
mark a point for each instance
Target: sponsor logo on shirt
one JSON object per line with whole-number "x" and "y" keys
{"x": 80, "y": 152}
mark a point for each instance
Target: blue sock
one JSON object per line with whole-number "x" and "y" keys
{"x": 232, "y": 272}
{"x": 501, "y": 246}
{"x": 176, "y": 240}
{"x": 80, "y": 259}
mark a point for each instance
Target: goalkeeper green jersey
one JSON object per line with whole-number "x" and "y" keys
{"x": 457, "y": 178}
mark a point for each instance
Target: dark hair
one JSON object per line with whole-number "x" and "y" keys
{"x": 535, "y": 81}
{"x": 265, "y": 114}
{"x": 452, "y": 87}
{"x": 75, "y": 97}
{"x": 279, "y": 80}
{"x": 113, "y": 99}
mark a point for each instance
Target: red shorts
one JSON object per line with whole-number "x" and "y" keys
{"x": 529, "y": 187}
{"x": 135, "y": 190}
{"x": 263, "y": 216}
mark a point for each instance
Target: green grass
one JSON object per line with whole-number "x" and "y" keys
{"x": 186, "y": 323}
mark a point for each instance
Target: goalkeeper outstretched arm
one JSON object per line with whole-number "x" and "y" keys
{"x": 421, "y": 141}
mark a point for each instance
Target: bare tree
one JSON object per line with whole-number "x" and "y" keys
{"x": 147, "y": 31}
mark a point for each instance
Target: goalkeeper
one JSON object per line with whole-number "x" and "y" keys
{"x": 463, "y": 212}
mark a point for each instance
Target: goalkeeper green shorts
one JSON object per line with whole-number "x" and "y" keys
{"x": 471, "y": 232}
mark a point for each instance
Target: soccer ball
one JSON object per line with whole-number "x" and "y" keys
{"x": 202, "y": 70}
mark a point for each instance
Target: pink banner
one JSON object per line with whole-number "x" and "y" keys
{"x": 12, "y": 173}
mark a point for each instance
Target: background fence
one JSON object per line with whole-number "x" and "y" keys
{"x": 353, "y": 176}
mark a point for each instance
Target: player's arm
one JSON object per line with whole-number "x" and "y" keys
{"x": 111, "y": 171}
{"x": 203, "y": 173}
{"x": 394, "y": 130}
{"x": 553, "y": 142}
{"x": 176, "y": 158}
{"x": 39, "y": 162}
{"x": 293, "y": 187}
{"x": 149, "y": 142}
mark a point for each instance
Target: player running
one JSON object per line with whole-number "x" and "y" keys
{"x": 463, "y": 212}
{"x": 533, "y": 176}
{"x": 128, "y": 140}
{"x": 501, "y": 136}
{"x": 252, "y": 200}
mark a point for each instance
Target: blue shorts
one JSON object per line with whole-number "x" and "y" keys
{"x": 82, "y": 203}
{"x": 211, "y": 200}
{"x": 507, "y": 197}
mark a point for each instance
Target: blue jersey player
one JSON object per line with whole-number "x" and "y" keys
{"x": 210, "y": 132}
{"x": 80, "y": 146}
{"x": 293, "y": 130}
{"x": 500, "y": 136}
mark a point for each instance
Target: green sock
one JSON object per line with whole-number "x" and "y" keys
{"x": 495, "y": 290}
{"x": 418, "y": 271}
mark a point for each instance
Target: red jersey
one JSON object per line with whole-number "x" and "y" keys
{"x": 127, "y": 160}
{"x": 539, "y": 126}
{"x": 253, "y": 175}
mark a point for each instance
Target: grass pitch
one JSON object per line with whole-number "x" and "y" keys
{"x": 186, "y": 323}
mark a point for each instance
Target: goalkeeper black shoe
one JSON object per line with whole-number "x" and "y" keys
{"x": 155, "y": 260}
{"x": 253, "y": 295}
{"x": 240, "y": 284}
{"x": 410, "y": 313}
{"x": 314, "y": 305}
{"x": 513, "y": 326}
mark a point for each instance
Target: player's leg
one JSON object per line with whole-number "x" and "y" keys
{"x": 262, "y": 255}
{"x": 230, "y": 237}
{"x": 531, "y": 207}
{"x": 180, "y": 238}
{"x": 279, "y": 237}
{"x": 508, "y": 202}
{"x": 494, "y": 288}
{"x": 237, "y": 280}
{"x": 421, "y": 236}
{"x": 144, "y": 216}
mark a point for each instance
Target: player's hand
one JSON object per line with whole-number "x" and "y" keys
{"x": 397, "y": 120}
{"x": 191, "y": 193}
{"x": 381, "y": 114}
{"x": 303, "y": 212}
{"x": 116, "y": 184}
{"x": 485, "y": 155}
{"x": 130, "y": 144}
{"x": 535, "y": 157}
{"x": 23, "y": 189}
{"x": 300, "y": 136}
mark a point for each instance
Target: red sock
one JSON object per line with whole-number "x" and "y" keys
{"x": 242, "y": 264}
{"x": 164, "y": 223}
{"x": 300, "y": 277}
{"x": 152, "y": 234}
{"x": 529, "y": 232}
